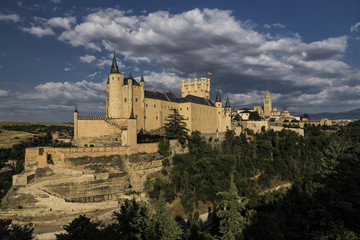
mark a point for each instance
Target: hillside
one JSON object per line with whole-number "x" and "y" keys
{"x": 23, "y": 131}
{"x": 353, "y": 114}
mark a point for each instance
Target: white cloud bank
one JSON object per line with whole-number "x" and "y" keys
{"x": 9, "y": 17}
{"x": 244, "y": 61}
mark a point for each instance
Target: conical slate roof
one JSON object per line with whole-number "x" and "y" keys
{"x": 218, "y": 99}
{"x": 114, "y": 66}
{"x": 227, "y": 104}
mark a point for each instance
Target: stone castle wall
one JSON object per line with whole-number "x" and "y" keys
{"x": 43, "y": 156}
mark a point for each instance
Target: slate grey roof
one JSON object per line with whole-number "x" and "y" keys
{"x": 114, "y": 66}
{"x": 170, "y": 97}
{"x": 126, "y": 81}
{"x": 218, "y": 99}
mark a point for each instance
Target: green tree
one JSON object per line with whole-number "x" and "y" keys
{"x": 132, "y": 222}
{"x": 15, "y": 232}
{"x": 163, "y": 224}
{"x": 80, "y": 228}
{"x": 233, "y": 214}
{"x": 164, "y": 147}
{"x": 175, "y": 128}
{"x": 254, "y": 116}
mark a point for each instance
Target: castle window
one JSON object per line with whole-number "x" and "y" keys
{"x": 118, "y": 78}
{"x": 136, "y": 116}
{"x": 146, "y": 105}
{"x": 187, "y": 108}
{"x": 112, "y": 78}
{"x": 180, "y": 109}
{"x": 154, "y": 105}
{"x": 156, "y": 118}
{"x": 125, "y": 99}
{"x": 144, "y": 117}
{"x": 136, "y": 100}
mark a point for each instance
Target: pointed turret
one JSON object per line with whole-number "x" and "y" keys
{"x": 132, "y": 114}
{"x": 130, "y": 75}
{"x": 218, "y": 99}
{"x": 75, "y": 108}
{"x": 227, "y": 104}
{"x": 114, "y": 66}
{"x": 142, "y": 78}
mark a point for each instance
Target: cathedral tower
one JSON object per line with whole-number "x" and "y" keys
{"x": 267, "y": 104}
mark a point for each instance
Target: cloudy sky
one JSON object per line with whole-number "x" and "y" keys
{"x": 57, "y": 53}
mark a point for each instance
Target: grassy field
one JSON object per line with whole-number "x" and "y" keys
{"x": 9, "y": 138}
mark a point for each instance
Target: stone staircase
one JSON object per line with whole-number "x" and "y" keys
{"x": 113, "y": 123}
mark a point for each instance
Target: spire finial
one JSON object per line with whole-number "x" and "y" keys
{"x": 114, "y": 66}
{"x": 130, "y": 75}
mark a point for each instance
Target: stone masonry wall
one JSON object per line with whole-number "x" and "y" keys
{"x": 41, "y": 157}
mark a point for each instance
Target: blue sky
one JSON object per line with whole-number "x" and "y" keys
{"x": 56, "y": 53}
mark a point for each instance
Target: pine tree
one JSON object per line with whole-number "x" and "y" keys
{"x": 164, "y": 226}
{"x": 234, "y": 215}
{"x": 175, "y": 128}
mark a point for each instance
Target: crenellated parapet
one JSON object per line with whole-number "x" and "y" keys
{"x": 91, "y": 118}
{"x": 198, "y": 87}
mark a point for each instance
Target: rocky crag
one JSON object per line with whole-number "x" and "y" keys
{"x": 94, "y": 186}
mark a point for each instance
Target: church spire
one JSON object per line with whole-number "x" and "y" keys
{"x": 114, "y": 66}
{"x": 218, "y": 99}
{"x": 227, "y": 104}
{"x": 142, "y": 78}
{"x": 130, "y": 75}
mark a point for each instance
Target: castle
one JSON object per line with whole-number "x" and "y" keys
{"x": 130, "y": 108}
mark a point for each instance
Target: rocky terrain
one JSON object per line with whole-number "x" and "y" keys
{"x": 91, "y": 186}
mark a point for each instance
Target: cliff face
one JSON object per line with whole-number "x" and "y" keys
{"x": 86, "y": 185}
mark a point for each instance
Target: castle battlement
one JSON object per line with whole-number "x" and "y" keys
{"x": 199, "y": 87}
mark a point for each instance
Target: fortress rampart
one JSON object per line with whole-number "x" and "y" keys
{"x": 43, "y": 156}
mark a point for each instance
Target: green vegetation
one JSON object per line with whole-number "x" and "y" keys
{"x": 14, "y": 231}
{"x": 254, "y": 116}
{"x": 175, "y": 127}
{"x": 133, "y": 221}
{"x": 237, "y": 176}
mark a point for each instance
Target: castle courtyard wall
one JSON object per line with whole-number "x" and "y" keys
{"x": 95, "y": 128}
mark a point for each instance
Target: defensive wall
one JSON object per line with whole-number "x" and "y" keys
{"x": 43, "y": 156}
{"x": 256, "y": 126}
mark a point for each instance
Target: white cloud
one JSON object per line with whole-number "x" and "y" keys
{"x": 4, "y": 93}
{"x": 274, "y": 25}
{"x": 88, "y": 58}
{"x": 245, "y": 62}
{"x": 355, "y": 28}
{"x": 39, "y": 32}
{"x": 9, "y": 17}
{"x": 62, "y": 22}
{"x": 67, "y": 69}
{"x": 56, "y": 1}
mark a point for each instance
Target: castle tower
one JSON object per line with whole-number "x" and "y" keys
{"x": 76, "y": 116}
{"x": 267, "y": 104}
{"x": 197, "y": 88}
{"x": 227, "y": 107}
{"x": 114, "y": 93}
{"x": 218, "y": 102}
